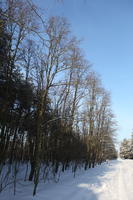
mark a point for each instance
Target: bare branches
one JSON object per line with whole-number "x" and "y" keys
{"x": 55, "y": 112}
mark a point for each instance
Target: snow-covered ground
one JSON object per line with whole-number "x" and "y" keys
{"x": 110, "y": 181}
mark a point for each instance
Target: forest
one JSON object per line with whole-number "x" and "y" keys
{"x": 55, "y": 113}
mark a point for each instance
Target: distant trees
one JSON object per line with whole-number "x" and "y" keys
{"x": 55, "y": 113}
{"x": 126, "y": 148}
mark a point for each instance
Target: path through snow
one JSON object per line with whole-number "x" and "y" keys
{"x": 110, "y": 181}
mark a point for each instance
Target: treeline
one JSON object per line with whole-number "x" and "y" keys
{"x": 126, "y": 148}
{"x": 54, "y": 112}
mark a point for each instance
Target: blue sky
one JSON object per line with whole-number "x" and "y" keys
{"x": 106, "y": 27}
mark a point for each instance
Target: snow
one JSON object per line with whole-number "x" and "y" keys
{"x": 110, "y": 181}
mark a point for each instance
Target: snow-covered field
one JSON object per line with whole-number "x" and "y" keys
{"x": 110, "y": 181}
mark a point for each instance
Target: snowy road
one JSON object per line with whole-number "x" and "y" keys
{"x": 110, "y": 181}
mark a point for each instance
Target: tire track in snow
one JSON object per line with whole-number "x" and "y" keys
{"x": 120, "y": 186}
{"x": 126, "y": 180}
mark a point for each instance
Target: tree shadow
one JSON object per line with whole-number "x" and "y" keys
{"x": 82, "y": 187}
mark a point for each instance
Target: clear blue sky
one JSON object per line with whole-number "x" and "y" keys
{"x": 106, "y": 27}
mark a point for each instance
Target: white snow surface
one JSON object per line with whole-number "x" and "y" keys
{"x": 109, "y": 181}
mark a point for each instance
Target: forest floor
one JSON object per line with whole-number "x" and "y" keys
{"x": 109, "y": 181}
